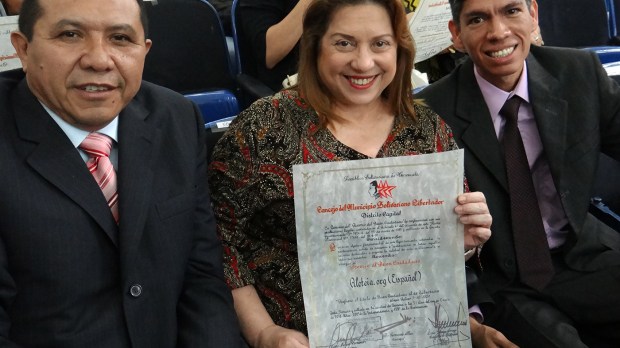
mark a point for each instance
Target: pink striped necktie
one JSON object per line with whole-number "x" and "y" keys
{"x": 98, "y": 146}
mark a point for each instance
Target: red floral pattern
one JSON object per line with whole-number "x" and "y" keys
{"x": 251, "y": 176}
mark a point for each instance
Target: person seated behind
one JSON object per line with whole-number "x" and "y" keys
{"x": 269, "y": 32}
{"x": 223, "y": 8}
{"x": 353, "y": 101}
{"x": 10, "y": 7}
{"x": 569, "y": 114}
{"x": 106, "y": 230}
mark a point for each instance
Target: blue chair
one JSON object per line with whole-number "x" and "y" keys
{"x": 612, "y": 17}
{"x": 235, "y": 33}
{"x": 189, "y": 55}
{"x": 606, "y": 54}
{"x": 215, "y": 104}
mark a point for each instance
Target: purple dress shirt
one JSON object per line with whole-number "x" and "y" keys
{"x": 553, "y": 216}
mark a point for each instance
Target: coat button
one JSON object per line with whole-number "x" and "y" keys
{"x": 508, "y": 263}
{"x": 135, "y": 290}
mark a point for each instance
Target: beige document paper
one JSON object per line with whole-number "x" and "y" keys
{"x": 8, "y": 57}
{"x": 381, "y": 252}
{"x": 429, "y": 28}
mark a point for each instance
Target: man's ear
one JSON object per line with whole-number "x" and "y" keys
{"x": 456, "y": 36}
{"x": 147, "y": 44}
{"x": 20, "y": 43}
{"x": 534, "y": 13}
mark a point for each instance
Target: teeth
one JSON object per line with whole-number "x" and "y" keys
{"x": 360, "y": 82}
{"x": 503, "y": 53}
{"x": 95, "y": 88}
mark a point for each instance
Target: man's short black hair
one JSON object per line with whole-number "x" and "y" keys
{"x": 31, "y": 11}
{"x": 457, "y": 7}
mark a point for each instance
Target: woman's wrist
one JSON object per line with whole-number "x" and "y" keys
{"x": 262, "y": 334}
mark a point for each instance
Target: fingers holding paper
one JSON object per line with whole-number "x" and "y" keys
{"x": 474, "y": 213}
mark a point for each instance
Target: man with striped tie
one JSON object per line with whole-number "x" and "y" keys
{"x": 107, "y": 238}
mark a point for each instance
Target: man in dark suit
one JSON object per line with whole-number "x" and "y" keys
{"x": 137, "y": 264}
{"x": 569, "y": 112}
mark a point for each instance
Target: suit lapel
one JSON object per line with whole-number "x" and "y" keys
{"x": 137, "y": 150}
{"x": 472, "y": 110}
{"x": 549, "y": 112}
{"x": 551, "y": 115}
{"x": 56, "y": 159}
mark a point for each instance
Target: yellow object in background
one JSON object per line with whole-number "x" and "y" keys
{"x": 410, "y": 5}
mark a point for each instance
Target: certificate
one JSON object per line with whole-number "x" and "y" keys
{"x": 8, "y": 56}
{"x": 381, "y": 252}
{"x": 429, "y": 28}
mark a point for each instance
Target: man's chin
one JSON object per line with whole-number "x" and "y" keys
{"x": 92, "y": 119}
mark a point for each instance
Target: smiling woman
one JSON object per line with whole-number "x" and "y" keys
{"x": 356, "y": 63}
{"x": 353, "y": 101}
{"x": 376, "y": 39}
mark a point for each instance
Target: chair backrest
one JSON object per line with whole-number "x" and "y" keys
{"x": 243, "y": 49}
{"x": 235, "y": 33}
{"x": 612, "y": 8}
{"x": 574, "y": 23}
{"x": 189, "y": 52}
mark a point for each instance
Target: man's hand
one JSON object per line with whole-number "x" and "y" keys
{"x": 474, "y": 213}
{"x": 483, "y": 336}
{"x": 275, "y": 336}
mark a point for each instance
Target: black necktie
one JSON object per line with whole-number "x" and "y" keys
{"x": 531, "y": 246}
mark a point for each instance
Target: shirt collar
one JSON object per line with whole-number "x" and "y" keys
{"x": 495, "y": 97}
{"x": 77, "y": 135}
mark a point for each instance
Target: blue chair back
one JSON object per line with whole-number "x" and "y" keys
{"x": 611, "y": 15}
{"x": 215, "y": 104}
{"x": 233, "y": 16}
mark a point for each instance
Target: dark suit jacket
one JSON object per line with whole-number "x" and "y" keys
{"x": 66, "y": 268}
{"x": 577, "y": 110}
